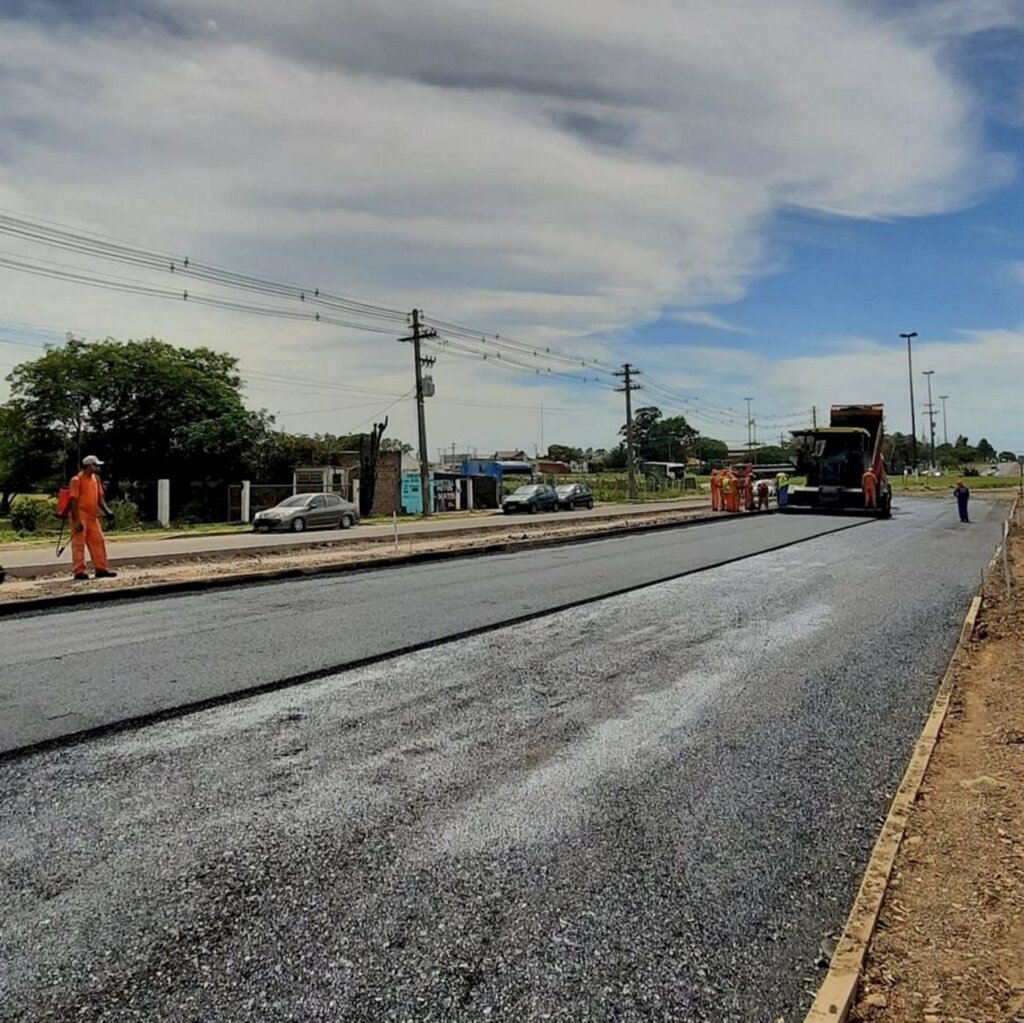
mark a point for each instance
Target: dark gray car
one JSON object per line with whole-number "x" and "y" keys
{"x": 307, "y": 511}
{"x": 574, "y": 495}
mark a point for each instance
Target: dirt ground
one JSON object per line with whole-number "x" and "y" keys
{"x": 255, "y": 564}
{"x": 949, "y": 947}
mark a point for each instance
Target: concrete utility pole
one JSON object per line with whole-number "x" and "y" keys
{"x": 627, "y": 373}
{"x": 814, "y": 417}
{"x": 913, "y": 418}
{"x": 418, "y": 334}
{"x": 945, "y": 436}
{"x": 931, "y": 415}
{"x": 750, "y": 437}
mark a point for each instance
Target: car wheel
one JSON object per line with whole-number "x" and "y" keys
{"x": 347, "y": 522}
{"x": 590, "y": 505}
{"x": 533, "y": 509}
{"x": 298, "y": 525}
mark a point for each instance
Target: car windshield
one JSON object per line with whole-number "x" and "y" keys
{"x": 566, "y": 488}
{"x": 298, "y": 501}
{"x": 526, "y": 491}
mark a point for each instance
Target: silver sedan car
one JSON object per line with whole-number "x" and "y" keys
{"x": 307, "y": 511}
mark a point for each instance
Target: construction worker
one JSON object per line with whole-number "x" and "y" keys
{"x": 88, "y": 499}
{"x": 781, "y": 489}
{"x": 963, "y": 495}
{"x": 728, "y": 485}
{"x": 748, "y": 487}
{"x": 869, "y": 481}
{"x": 762, "y": 496}
{"x": 716, "y": 491}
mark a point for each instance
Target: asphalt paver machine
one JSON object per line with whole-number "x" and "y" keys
{"x": 834, "y": 459}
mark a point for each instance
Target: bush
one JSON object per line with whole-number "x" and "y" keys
{"x": 126, "y": 514}
{"x": 34, "y": 514}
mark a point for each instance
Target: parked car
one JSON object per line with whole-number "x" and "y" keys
{"x": 534, "y": 498}
{"x": 307, "y": 511}
{"x": 574, "y": 495}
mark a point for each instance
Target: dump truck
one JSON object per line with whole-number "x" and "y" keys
{"x": 834, "y": 459}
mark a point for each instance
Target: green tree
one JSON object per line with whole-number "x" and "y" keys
{"x": 712, "y": 451}
{"x": 772, "y": 454}
{"x": 1007, "y": 456}
{"x": 27, "y": 455}
{"x": 564, "y": 453}
{"x": 150, "y": 409}
{"x": 984, "y": 451}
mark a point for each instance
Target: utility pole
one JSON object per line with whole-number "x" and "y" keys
{"x": 814, "y": 417}
{"x": 628, "y": 386}
{"x": 945, "y": 436}
{"x": 419, "y": 360}
{"x": 931, "y": 415}
{"x": 913, "y": 418}
{"x": 750, "y": 438}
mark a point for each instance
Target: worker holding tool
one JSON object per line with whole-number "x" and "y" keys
{"x": 869, "y": 481}
{"x": 88, "y": 499}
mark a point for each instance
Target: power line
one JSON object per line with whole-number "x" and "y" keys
{"x": 66, "y": 239}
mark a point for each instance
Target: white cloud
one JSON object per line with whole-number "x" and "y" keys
{"x": 703, "y": 318}
{"x": 547, "y": 172}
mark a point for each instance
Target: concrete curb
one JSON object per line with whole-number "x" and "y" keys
{"x": 836, "y": 995}
{"x": 87, "y": 598}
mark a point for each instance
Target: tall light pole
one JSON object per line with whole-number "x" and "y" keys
{"x": 945, "y": 436}
{"x": 913, "y": 420}
{"x": 931, "y": 415}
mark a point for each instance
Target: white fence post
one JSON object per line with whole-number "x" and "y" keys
{"x": 469, "y": 493}
{"x": 163, "y": 502}
{"x": 355, "y": 493}
{"x": 246, "y": 501}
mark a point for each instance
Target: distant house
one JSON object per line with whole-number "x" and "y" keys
{"x": 547, "y": 467}
{"x": 509, "y": 456}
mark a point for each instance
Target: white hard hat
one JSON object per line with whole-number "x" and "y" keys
{"x": 91, "y": 460}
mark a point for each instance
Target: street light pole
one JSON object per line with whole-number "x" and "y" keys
{"x": 931, "y": 415}
{"x": 750, "y": 423}
{"x": 913, "y": 419}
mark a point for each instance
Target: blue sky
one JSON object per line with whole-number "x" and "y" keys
{"x": 742, "y": 199}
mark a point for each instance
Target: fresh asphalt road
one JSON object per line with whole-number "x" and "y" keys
{"x": 93, "y": 666}
{"x": 129, "y": 551}
{"x": 654, "y": 807}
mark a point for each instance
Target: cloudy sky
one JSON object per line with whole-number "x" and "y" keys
{"x": 741, "y": 198}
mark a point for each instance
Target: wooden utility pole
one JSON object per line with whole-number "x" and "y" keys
{"x": 418, "y": 334}
{"x": 628, "y": 386}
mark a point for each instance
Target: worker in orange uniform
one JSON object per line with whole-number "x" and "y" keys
{"x": 869, "y": 481}
{"x": 748, "y": 489}
{"x": 87, "y": 501}
{"x": 733, "y": 492}
{"x": 762, "y": 496}
{"x": 727, "y": 482}
{"x": 716, "y": 492}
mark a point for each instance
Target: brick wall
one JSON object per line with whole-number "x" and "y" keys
{"x": 387, "y": 496}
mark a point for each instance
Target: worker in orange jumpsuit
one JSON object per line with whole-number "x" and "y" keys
{"x": 716, "y": 491}
{"x": 870, "y": 484}
{"x": 729, "y": 491}
{"x": 748, "y": 489}
{"x": 762, "y": 496}
{"x": 87, "y": 501}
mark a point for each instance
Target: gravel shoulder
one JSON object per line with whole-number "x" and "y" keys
{"x": 950, "y": 939}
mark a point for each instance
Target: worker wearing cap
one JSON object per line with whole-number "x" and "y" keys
{"x": 781, "y": 489}
{"x": 87, "y": 501}
{"x": 748, "y": 487}
{"x": 869, "y": 481}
